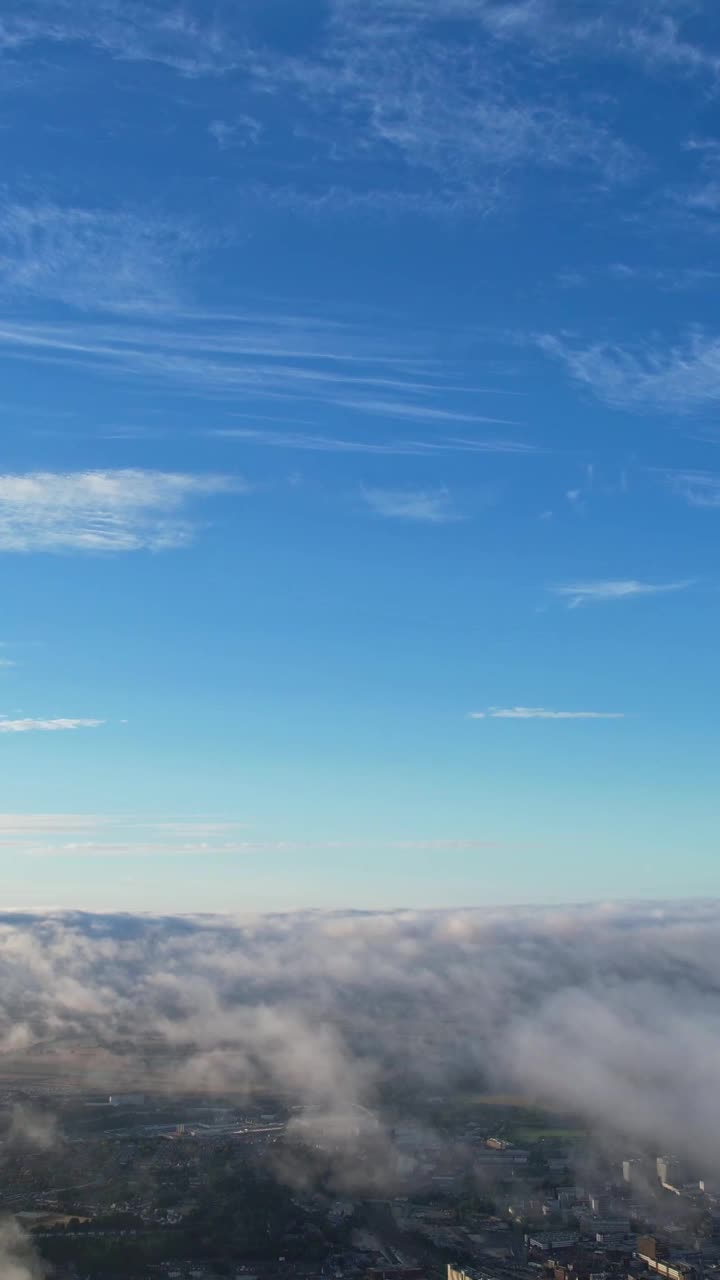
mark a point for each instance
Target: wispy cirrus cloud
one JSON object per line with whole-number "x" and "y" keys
{"x": 305, "y": 442}
{"x": 605, "y": 590}
{"x": 698, "y": 488}
{"x": 383, "y": 82}
{"x": 420, "y": 412}
{"x": 107, "y": 835}
{"x": 193, "y": 43}
{"x": 29, "y": 725}
{"x": 293, "y": 360}
{"x": 102, "y": 511}
{"x": 542, "y": 713}
{"x": 94, "y": 259}
{"x": 428, "y": 506}
{"x": 679, "y": 378}
{"x": 187, "y": 40}
{"x": 208, "y": 848}
{"x": 658, "y": 38}
{"x": 24, "y": 823}
{"x": 424, "y": 106}
{"x": 242, "y": 131}
{"x": 397, "y": 83}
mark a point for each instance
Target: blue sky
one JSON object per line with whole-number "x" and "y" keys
{"x": 360, "y": 369}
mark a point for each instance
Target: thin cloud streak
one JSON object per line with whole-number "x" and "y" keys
{"x": 207, "y": 848}
{"x": 429, "y": 506}
{"x": 289, "y": 358}
{"x": 580, "y": 593}
{"x": 542, "y": 713}
{"x": 399, "y": 448}
{"x": 420, "y": 413}
{"x": 21, "y": 823}
{"x": 28, "y": 725}
{"x": 118, "y": 835}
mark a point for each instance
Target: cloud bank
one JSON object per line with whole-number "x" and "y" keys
{"x": 612, "y": 1012}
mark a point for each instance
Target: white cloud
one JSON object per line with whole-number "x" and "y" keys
{"x": 285, "y": 359}
{"x": 50, "y": 835}
{"x": 93, "y": 259}
{"x": 698, "y": 488}
{"x": 420, "y": 412}
{"x": 579, "y": 593}
{"x": 123, "y": 510}
{"x": 243, "y": 131}
{"x": 217, "y": 848}
{"x": 319, "y": 1008}
{"x": 390, "y": 82}
{"x": 193, "y": 43}
{"x": 19, "y": 1259}
{"x": 661, "y": 45}
{"x": 671, "y": 379}
{"x": 385, "y": 88}
{"x": 426, "y": 88}
{"x": 45, "y": 726}
{"x": 398, "y": 448}
{"x": 22, "y": 823}
{"x": 542, "y": 713}
{"x": 189, "y": 42}
{"x": 432, "y": 506}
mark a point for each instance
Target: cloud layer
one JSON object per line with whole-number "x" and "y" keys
{"x": 610, "y": 1011}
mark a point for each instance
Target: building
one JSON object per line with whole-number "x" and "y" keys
{"x": 650, "y": 1247}
{"x": 663, "y": 1266}
{"x": 465, "y": 1273}
{"x": 670, "y": 1172}
{"x": 637, "y": 1173}
{"x": 607, "y": 1226}
{"x": 547, "y": 1240}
